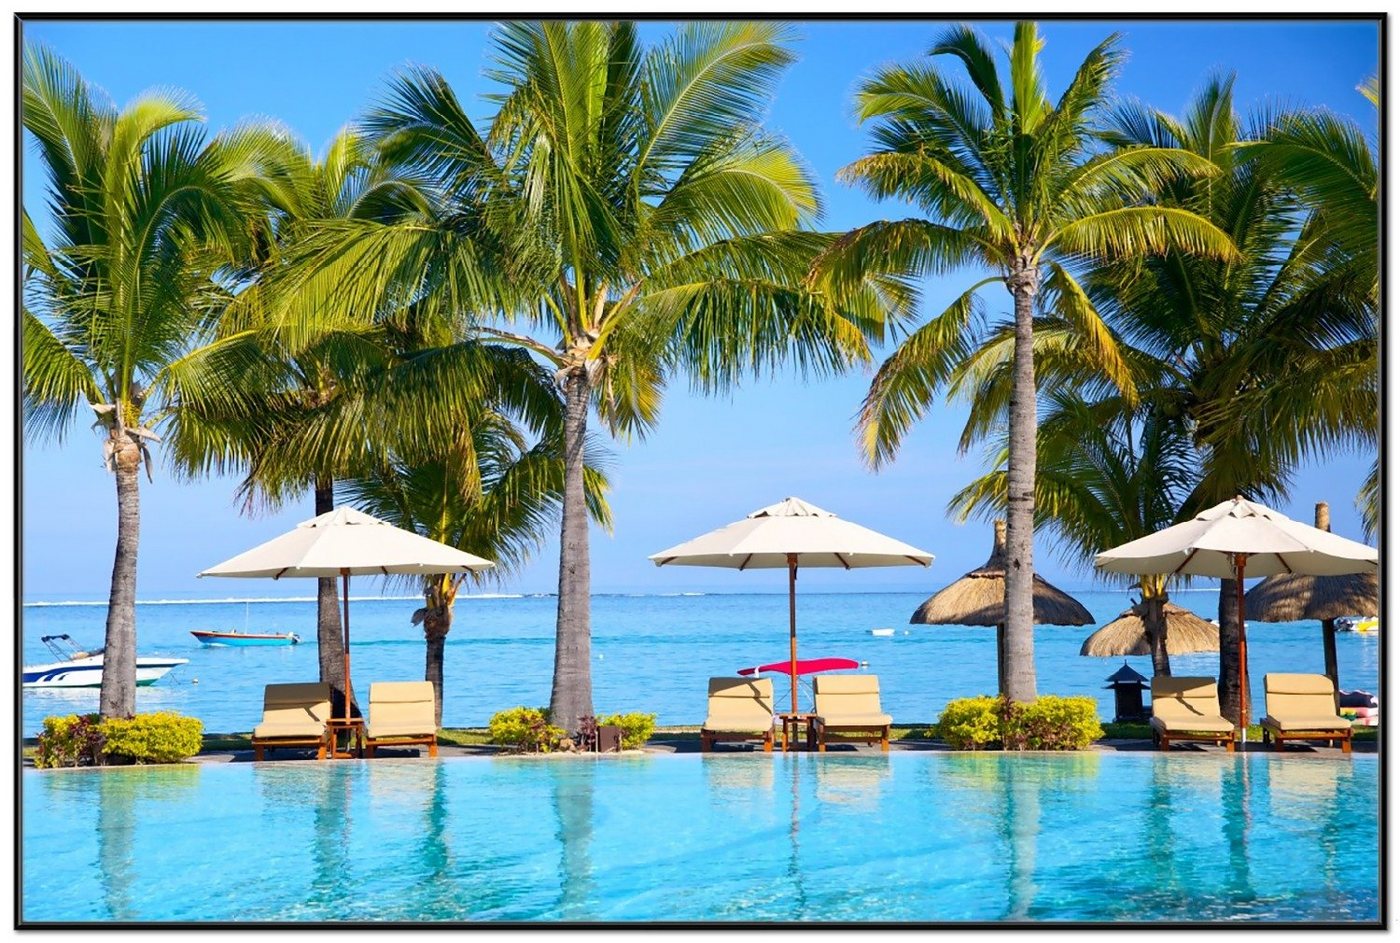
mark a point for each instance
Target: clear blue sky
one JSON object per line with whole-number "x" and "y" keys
{"x": 713, "y": 459}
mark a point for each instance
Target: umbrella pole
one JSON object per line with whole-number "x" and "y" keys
{"x": 792, "y": 623}
{"x": 1239, "y": 613}
{"x": 345, "y": 602}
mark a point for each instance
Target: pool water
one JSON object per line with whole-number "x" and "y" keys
{"x": 898, "y": 837}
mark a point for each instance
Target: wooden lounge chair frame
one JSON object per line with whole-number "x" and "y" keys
{"x": 322, "y": 743}
{"x": 1277, "y": 735}
{"x": 822, "y": 731}
{"x": 759, "y": 689}
{"x": 395, "y": 740}
{"x": 1170, "y": 687}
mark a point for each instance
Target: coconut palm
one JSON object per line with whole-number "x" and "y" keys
{"x": 1267, "y": 358}
{"x": 1011, "y": 183}
{"x": 491, "y": 493}
{"x": 1105, "y": 475}
{"x": 147, "y": 222}
{"x": 276, "y": 385}
{"x": 624, "y": 218}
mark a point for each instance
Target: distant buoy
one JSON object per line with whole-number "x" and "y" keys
{"x": 195, "y": 681}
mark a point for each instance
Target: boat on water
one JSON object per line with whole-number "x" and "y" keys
{"x": 75, "y": 668}
{"x": 234, "y": 637}
{"x": 1363, "y": 624}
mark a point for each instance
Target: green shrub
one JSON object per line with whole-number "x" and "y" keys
{"x": 969, "y": 723}
{"x": 525, "y": 729}
{"x": 69, "y": 740}
{"x": 160, "y": 737}
{"x": 1049, "y": 722}
{"x": 636, "y": 728}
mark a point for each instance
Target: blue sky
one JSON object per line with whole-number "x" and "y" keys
{"x": 713, "y": 459}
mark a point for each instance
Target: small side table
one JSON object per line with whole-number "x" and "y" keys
{"x": 791, "y": 724}
{"x": 354, "y": 727}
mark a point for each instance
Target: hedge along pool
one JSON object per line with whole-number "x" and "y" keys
{"x": 904, "y": 836}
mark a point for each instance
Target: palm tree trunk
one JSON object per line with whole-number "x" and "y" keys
{"x": 1020, "y": 482}
{"x": 1229, "y": 619}
{"x": 436, "y": 624}
{"x": 1155, "y": 621}
{"x": 330, "y": 642}
{"x": 117, "y": 697}
{"x": 572, "y": 694}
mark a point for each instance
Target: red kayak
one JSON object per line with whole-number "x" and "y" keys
{"x": 805, "y": 666}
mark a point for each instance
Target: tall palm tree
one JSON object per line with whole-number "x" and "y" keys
{"x": 1105, "y": 475}
{"x": 148, "y": 228}
{"x": 1266, "y": 358}
{"x": 625, "y": 218}
{"x": 1011, "y": 183}
{"x": 491, "y": 493}
{"x": 278, "y": 384}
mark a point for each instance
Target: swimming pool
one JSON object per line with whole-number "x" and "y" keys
{"x": 904, "y": 836}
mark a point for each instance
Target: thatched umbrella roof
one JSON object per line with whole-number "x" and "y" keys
{"x": 1290, "y": 597}
{"x": 1127, "y": 635}
{"x": 979, "y": 597}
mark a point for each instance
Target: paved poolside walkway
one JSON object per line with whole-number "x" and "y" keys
{"x": 660, "y": 745}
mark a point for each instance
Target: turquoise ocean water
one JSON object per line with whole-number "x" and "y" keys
{"x": 797, "y": 837}
{"x": 650, "y": 653}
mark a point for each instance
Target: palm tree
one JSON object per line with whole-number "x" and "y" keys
{"x": 278, "y": 384}
{"x": 1266, "y": 358}
{"x": 1105, "y": 475}
{"x": 1330, "y": 162}
{"x": 624, "y": 219}
{"x": 491, "y": 493}
{"x": 149, "y": 222}
{"x": 1020, "y": 186}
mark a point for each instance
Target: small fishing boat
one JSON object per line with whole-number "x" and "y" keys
{"x": 75, "y": 668}
{"x": 882, "y": 632}
{"x": 234, "y": 637}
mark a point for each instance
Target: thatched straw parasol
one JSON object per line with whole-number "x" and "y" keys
{"x": 1187, "y": 633}
{"x": 1292, "y": 597}
{"x": 979, "y": 598}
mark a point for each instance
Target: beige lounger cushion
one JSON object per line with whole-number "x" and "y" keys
{"x": 1289, "y": 724}
{"x": 1302, "y": 702}
{"x": 294, "y": 711}
{"x": 401, "y": 709}
{"x": 1187, "y": 705}
{"x": 849, "y": 701}
{"x": 740, "y": 705}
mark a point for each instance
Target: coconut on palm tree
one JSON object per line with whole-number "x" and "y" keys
{"x": 125, "y": 274}
{"x": 624, "y": 218}
{"x": 1018, "y": 186}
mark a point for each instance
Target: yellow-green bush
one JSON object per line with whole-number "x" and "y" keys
{"x": 969, "y": 723}
{"x": 1049, "y": 722}
{"x": 160, "y": 737}
{"x": 636, "y": 727}
{"x": 69, "y": 740}
{"x": 526, "y": 729}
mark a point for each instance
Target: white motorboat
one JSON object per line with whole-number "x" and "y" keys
{"x": 75, "y": 668}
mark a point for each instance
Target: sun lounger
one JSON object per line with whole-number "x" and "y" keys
{"x": 1303, "y": 707}
{"x": 740, "y": 709}
{"x": 848, "y": 707}
{"x": 401, "y": 713}
{"x": 294, "y": 715}
{"x": 1188, "y": 709}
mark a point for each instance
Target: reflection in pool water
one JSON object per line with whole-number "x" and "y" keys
{"x": 739, "y": 837}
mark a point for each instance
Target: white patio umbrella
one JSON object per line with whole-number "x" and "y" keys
{"x": 790, "y": 534}
{"x": 347, "y": 542}
{"x": 1238, "y": 539}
